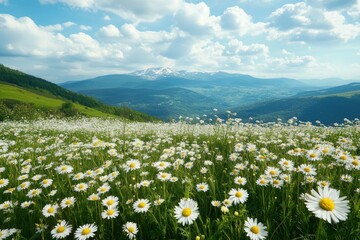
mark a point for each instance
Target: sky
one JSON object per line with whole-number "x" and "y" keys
{"x": 63, "y": 40}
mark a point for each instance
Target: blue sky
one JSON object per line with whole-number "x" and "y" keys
{"x": 62, "y": 40}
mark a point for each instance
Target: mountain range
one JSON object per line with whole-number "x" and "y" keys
{"x": 167, "y": 94}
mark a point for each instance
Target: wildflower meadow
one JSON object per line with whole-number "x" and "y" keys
{"x": 109, "y": 179}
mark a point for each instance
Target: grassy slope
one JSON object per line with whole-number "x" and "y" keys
{"x": 16, "y": 93}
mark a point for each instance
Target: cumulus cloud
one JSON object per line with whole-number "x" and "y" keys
{"x": 236, "y": 19}
{"x": 134, "y": 10}
{"x": 303, "y": 23}
{"x": 196, "y": 19}
{"x": 354, "y": 11}
{"x": 110, "y": 31}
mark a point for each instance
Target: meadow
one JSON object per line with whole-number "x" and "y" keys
{"x": 109, "y": 179}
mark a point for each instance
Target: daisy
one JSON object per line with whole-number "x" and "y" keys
{"x": 80, "y": 187}
{"x": 308, "y": 169}
{"x": 26, "y": 204}
{"x": 50, "y": 210}
{"x": 141, "y": 205}
{"x": 240, "y": 180}
{"x": 238, "y": 195}
{"x": 216, "y": 203}
{"x": 187, "y": 211}
{"x": 110, "y": 213}
{"x": 327, "y": 204}
{"x": 158, "y": 202}
{"x": 163, "y": 176}
{"x": 262, "y": 181}
{"x": 110, "y": 202}
{"x": 4, "y": 233}
{"x": 104, "y": 188}
{"x": 85, "y": 231}
{"x": 130, "y": 229}
{"x": 272, "y": 172}
{"x": 93, "y": 197}
{"x": 64, "y": 169}
{"x": 4, "y": 182}
{"x": 46, "y": 183}
{"x": 255, "y": 230}
{"x": 67, "y": 202}
{"x": 202, "y": 187}
{"x": 23, "y": 186}
{"x": 61, "y": 230}
{"x": 131, "y": 165}
{"x": 34, "y": 192}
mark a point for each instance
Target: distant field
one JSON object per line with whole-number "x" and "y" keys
{"x": 19, "y": 94}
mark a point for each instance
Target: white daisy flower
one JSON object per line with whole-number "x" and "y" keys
{"x": 85, "y": 231}
{"x": 141, "y": 205}
{"x": 187, "y": 211}
{"x": 255, "y": 230}
{"x": 130, "y": 229}
{"x": 50, "y": 210}
{"x": 327, "y": 204}
{"x": 110, "y": 202}
{"x": 110, "y": 213}
{"x": 202, "y": 187}
{"x": 61, "y": 230}
{"x": 238, "y": 195}
{"x": 67, "y": 202}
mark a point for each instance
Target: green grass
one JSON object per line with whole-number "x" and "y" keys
{"x": 16, "y": 93}
{"x": 210, "y": 154}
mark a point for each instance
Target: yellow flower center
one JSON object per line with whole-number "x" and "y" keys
{"x": 343, "y": 157}
{"x": 238, "y": 194}
{"x": 313, "y": 155}
{"x": 276, "y": 182}
{"x": 307, "y": 169}
{"x": 85, "y": 231}
{"x": 131, "y": 229}
{"x": 355, "y": 163}
{"x": 186, "y": 212}
{"x": 202, "y": 187}
{"x": 286, "y": 163}
{"x": 110, "y": 212}
{"x": 262, "y": 181}
{"x": 255, "y": 229}
{"x": 162, "y": 164}
{"x": 68, "y": 202}
{"x": 2, "y": 181}
{"x": 327, "y": 204}
{"x": 35, "y": 192}
{"x": 141, "y": 205}
{"x": 102, "y": 189}
{"x": 132, "y": 165}
{"x": 323, "y": 184}
{"x": 164, "y": 175}
{"x": 325, "y": 150}
{"x": 45, "y": 181}
{"x": 51, "y": 210}
{"x": 110, "y": 202}
{"x": 272, "y": 172}
{"x": 81, "y": 186}
{"x": 262, "y": 157}
{"x": 60, "y": 229}
{"x": 23, "y": 185}
{"x": 63, "y": 168}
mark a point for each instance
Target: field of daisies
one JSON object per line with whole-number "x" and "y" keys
{"x": 108, "y": 179}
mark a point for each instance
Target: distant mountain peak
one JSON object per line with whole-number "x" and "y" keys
{"x": 153, "y": 73}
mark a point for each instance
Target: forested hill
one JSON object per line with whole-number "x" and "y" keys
{"x": 45, "y": 88}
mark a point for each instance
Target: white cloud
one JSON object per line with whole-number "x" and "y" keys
{"x": 354, "y": 11}
{"x": 196, "y": 19}
{"x": 85, "y": 27}
{"x": 110, "y": 31}
{"x": 134, "y": 10}
{"x": 236, "y": 47}
{"x": 294, "y": 61}
{"x": 107, "y": 18}
{"x": 303, "y": 23}
{"x": 236, "y": 19}
{"x": 3, "y": 1}
{"x": 69, "y": 24}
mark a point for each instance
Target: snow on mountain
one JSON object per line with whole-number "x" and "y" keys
{"x": 154, "y": 73}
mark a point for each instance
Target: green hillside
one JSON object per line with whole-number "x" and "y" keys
{"x": 22, "y": 93}
{"x": 325, "y": 107}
